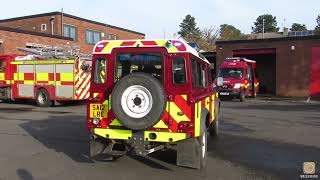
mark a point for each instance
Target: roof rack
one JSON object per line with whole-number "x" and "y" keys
{"x": 42, "y": 51}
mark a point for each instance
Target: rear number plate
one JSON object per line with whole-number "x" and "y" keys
{"x": 98, "y": 110}
{"x": 224, "y": 93}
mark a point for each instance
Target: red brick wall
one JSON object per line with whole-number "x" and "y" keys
{"x": 12, "y": 41}
{"x": 34, "y": 24}
{"x": 292, "y": 66}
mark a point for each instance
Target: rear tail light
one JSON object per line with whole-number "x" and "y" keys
{"x": 185, "y": 125}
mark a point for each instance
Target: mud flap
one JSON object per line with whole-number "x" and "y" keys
{"x": 188, "y": 153}
{"x": 97, "y": 147}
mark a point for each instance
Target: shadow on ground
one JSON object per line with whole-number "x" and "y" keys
{"x": 282, "y": 107}
{"x": 66, "y": 134}
{"x": 281, "y": 159}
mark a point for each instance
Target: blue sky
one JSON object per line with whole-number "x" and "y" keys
{"x": 156, "y": 17}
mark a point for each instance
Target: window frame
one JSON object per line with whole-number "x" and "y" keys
{"x": 95, "y": 71}
{"x": 43, "y": 27}
{"x": 185, "y": 69}
{"x": 93, "y": 39}
{"x": 199, "y": 65}
{"x": 75, "y": 31}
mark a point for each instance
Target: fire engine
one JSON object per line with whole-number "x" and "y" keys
{"x": 238, "y": 78}
{"x": 150, "y": 95}
{"x": 45, "y": 80}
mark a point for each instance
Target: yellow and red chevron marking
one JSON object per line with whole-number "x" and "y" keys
{"x": 106, "y": 47}
{"x": 82, "y": 84}
{"x": 176, "y": 111}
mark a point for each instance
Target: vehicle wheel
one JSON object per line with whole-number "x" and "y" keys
{"x": 242, "y": 96}
{"x": 42, "y": 98}
{"x": 214, "y": 129}
{"x": 203, "y": 141}
{"x": 138, "y": 101}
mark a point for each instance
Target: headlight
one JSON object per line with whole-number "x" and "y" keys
{"x": 237, "y": 86}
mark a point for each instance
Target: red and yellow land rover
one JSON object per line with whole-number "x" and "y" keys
{"x": 149, "y": 95}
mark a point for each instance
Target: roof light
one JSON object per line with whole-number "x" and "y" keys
{"x": 100, "y": 46}
{"x": 177, "y": 44}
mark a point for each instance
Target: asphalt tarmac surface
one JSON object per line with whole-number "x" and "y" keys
{"x": 258, "y": 140}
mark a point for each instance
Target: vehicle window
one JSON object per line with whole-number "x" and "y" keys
{"x": 236, "y": 73}
{"x": 196, "y": 73}
{"x": 203, "y": 76}
{"x": 179, "y": 71}
{"x": 1, "y": 65}
{"x": 128, "y": 63}
{"x": 100, "y": 70}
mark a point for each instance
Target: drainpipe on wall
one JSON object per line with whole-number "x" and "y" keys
{"x": 52, "y": 24}
{"x": 61, "y": 21}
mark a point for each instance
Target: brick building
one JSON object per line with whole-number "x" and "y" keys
{"x": 286, "y": 66}
{"x": 58, "y": 28}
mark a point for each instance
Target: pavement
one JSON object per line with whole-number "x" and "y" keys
{"x": 259, "y": 139}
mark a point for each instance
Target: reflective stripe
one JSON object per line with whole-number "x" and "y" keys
{"x": 66, "y": 76}
{"x": 110, "y": 46}
{"x": 1, "y": 76}
{"x": 213, "y": 107}
{"x": 197, "y": 119}
{"x": 165, "y": 136}
{"x": 161, "y": 125}
{"x": 113, "y": 133}
{"x": 115, "y": 122}
{"x": 127, "y": 134}
{"x": 45, "y": 62}
{"x": 41, "y": 76}
{"x": 174, "y": 111}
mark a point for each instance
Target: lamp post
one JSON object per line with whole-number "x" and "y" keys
{"x": 263, "y": 28}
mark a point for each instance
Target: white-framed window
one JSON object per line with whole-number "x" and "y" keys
{"x": 69, "y": 31}
{"x": 92, "y": 37}
{"x": 43, "y": 27}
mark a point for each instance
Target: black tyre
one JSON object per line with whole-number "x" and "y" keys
{"x": 138, "y": 101}
{"x": 214, "y": 129}
{"x": 203, "y": 141}
{"x": 43, "y": 98}
{"x": 242, "y": 96}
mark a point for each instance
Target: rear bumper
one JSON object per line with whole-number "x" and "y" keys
{"x": 127, "y": 135}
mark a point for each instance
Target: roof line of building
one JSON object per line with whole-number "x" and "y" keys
{"x": 71, "y": 16}
{"x": 34, "y": 33}
{"x": 316, "y": 37}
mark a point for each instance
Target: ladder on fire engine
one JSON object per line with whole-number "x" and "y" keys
{"x": 41, "y": 51}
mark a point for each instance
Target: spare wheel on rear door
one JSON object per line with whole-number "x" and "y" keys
{"x": 138, "y": 101}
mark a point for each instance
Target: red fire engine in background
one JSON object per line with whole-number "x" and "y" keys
{"x": 238, "y": 78}
{"x": 45, "y": 80}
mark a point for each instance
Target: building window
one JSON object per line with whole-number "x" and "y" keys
{"x": 69, "y": 31}
{"x": 93, "y": 36}
{"x": 43, "y": 27}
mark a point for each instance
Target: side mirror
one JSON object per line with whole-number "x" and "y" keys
{"x": 219, "y": 81}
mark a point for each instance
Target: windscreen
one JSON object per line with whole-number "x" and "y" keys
{"x": 128, "y": 63}
{"x": 236, "y": 73}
